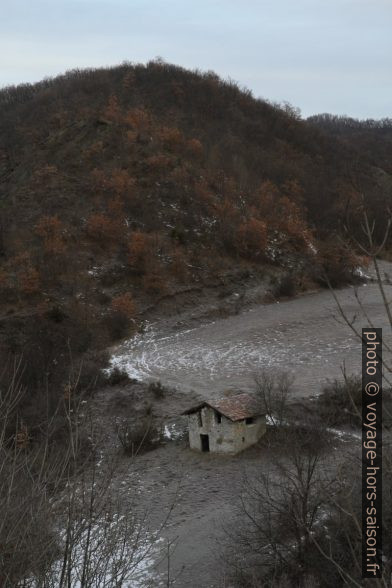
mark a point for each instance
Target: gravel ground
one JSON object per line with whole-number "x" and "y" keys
{"x": 200, "y": 359}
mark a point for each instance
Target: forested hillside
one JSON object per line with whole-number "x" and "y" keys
{"x": 369, "y": 138}
{"x": 120, "y": 186}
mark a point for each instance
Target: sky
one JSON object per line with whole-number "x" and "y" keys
{"x": 319, "y": 55}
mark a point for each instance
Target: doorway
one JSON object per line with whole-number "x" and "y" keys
{"x": 205, "y": 443}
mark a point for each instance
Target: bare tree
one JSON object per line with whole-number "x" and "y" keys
{"x": 372, "y": 249}
{"x": 273, "y": 391}
{"x": 279, "y": 512}
{"x": 63, "y": 521}
{"x": 343, "y": 550}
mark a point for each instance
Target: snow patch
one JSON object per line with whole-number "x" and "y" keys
{"x": 358, "y": 271}
{"x": 274, "y": 421}
{"x": 344, "y": 435}
{"x": 171, "y": 432}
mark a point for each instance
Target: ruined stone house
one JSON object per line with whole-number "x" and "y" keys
{"x": 228, "y": 425}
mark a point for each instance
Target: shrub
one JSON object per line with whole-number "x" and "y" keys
{"x": 337, "y": 263}
{"x": 91, "y": 374}
{"x": 179, "y": 266}
{"x": 117, "y": 325}
{"x": 29, "y": 281}
{"x": 157, "y": 163}
{"x": 251, "y": 238}
{"x": 178, "y": 234}
{"x": 194, "y": 148}
{"x": 284, "y": 286}
{"x": 124, "y": 304}
{"x": 50, "y": 230}
{"x": 157, "y": 389}
{"x": 139, "y": 249}
{"x": 340, "y": 401}
{"x": 112, "y": 111}
{"x": 121, "y": 181}
{"x": 56, "y": 314}
{"x": 138, "y": 437}
{"x": 117, "y": 376}
{"x": 139, "y": 119}
{"x": 101, "y": 228}
{"x": 154, "y": 283}
{"x": 171, "y": 138}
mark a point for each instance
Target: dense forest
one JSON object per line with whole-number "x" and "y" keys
{"x": 120, "y": 186}
{"x": 369, "y": 138}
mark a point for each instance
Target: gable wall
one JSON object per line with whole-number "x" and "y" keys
{"x": 224, "y": 437}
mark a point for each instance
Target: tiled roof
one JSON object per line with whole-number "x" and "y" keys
{"x": 235, "y": 408}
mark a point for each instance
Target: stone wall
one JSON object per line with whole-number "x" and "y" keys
{"x": 224, "y": 436}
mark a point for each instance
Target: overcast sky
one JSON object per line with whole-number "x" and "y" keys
{"x": 320, "y": 55}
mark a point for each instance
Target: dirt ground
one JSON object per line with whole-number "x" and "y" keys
{"x": 304, "y": 336}
{"x": 197, "y": 493}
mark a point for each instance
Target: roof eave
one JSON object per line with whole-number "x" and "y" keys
{"x": 233, "y": 420}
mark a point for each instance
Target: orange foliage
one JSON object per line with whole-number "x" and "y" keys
{"x": 337, "y": 260}
{"x": 116, "y": 208}
{"x": 21, "y": 274}
{"x": 45, "y": 171}
{"x": 293, "y": 190}
{"x": 22, "y": 437}
{"x": 103, "y": 229}
{"x": 154, "y": 283}
{"x": 230, "y": 188}
{"x": 128, "y": 80}
{"x": 251, "y": 238}
{"x": 138, "y": 249}
{"x": 51, "y": 231}
{"x": 203, "y": 193}
{"x": 171, "y": 137}
{"x": 44, "y": 176}
{"x": 112, "y": 111}
{"x": 98, "y": 178}
{"x": 124, "y": 304}
{"x": 266, "y": 198}
{"x": 131, "y": 136}
{"x": 121, "y": 181}
{"x": 138, "y": 118}
{"x": 226, "y": 210}
{"x": 291, "y": 221}
{"x": 29, "y": 281}
{"x": 94, "y": 149}
{"x": 158, "y": 162}
{"x": 283, "y": 214}
{"x": 194, "y": 148}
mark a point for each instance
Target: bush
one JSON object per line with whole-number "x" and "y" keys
{"x": 124, "y": 304}
{"x": 251, "y": 238}
{"x": 117, "y": 376}
{"x": 56, "y": 314}
{"x": 137, "y": 437}
{"x": 283, "y": 287}
{"x": 157, "y": 389}
{"x": 337, "y": 263}
{"x": 340, "y": 402}
{"x": 90, "y": 374}
{"x": 117, "y": 325}
{"x": 48, "y": 350}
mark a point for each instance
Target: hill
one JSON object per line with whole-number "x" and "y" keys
{"x": 370, "y": 139}
{"x": 122, "y": 186}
